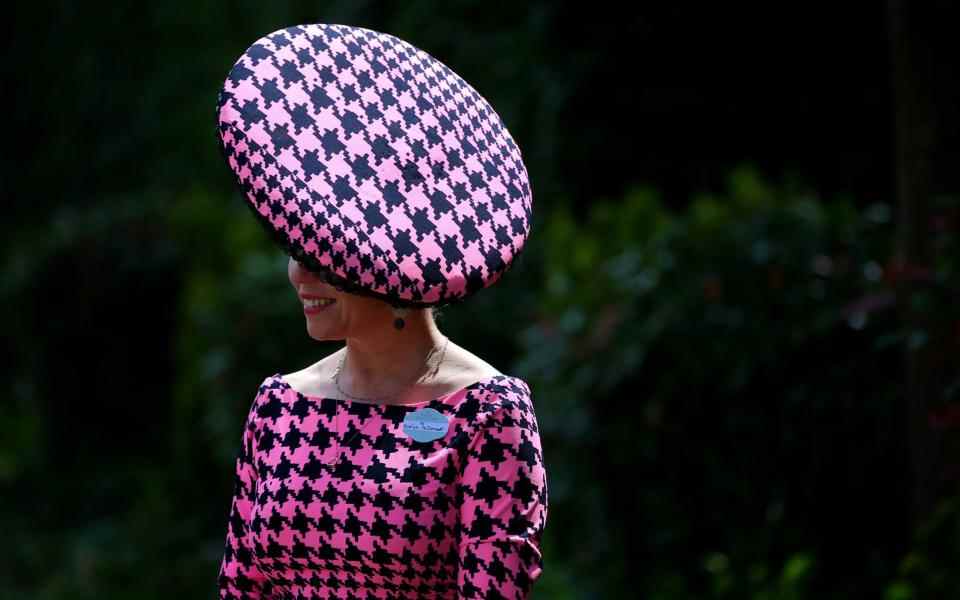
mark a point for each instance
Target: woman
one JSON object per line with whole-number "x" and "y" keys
{"x": 401, "y": 466}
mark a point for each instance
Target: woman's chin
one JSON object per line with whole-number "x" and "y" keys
{"x": 321, "y": 332}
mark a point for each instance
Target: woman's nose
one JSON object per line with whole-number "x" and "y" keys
{"x": 301, "y": 273}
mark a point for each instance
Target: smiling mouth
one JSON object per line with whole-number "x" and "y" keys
{"x": 318, "y": 302}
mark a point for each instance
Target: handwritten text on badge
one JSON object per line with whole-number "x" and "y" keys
{"x": 425, "y": 425}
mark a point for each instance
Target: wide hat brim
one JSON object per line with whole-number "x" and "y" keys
{"x": 373, "y": 163}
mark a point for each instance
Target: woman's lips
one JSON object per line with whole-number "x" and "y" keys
{"x": 312, "y": 308}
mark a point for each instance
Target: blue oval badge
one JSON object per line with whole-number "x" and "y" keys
{"x": 425, "y": 425}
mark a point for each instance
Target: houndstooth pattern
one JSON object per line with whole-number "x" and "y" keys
{"x": 373, "y": 162}
{"x": 458, "y": 517}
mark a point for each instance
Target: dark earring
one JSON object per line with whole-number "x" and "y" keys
{"x": 398, "y": 322}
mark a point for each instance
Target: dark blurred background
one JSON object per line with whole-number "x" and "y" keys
{"x": 738, "y": 307}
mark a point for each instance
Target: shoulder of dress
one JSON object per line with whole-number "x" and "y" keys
{"x": 507, "y": 398}
{"x": 274, "y": 381}
{"x": 268, "y": 391}
{"x": 509, "y": 387}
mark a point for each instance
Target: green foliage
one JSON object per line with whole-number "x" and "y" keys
{"x": 653, "y": 329}
{"x": 676, "y": 359}
{"x": 718, "y": 389}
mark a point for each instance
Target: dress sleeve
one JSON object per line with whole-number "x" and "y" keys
{"x": 239, "y": 578}
{"x": 503, "y": 510}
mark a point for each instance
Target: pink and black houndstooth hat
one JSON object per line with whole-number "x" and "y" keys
{"x": 374, "y": 164}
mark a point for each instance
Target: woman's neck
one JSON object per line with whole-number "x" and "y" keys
{"x": 386, "y": 361}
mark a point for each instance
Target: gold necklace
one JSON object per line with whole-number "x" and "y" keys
{"x": 343, "y": 361}
{"x": 336, "y": 380}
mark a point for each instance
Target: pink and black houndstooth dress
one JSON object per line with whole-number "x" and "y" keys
{"x": 333, "y": 498}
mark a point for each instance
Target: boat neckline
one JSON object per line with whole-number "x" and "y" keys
{"x": 442, "y": 399}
